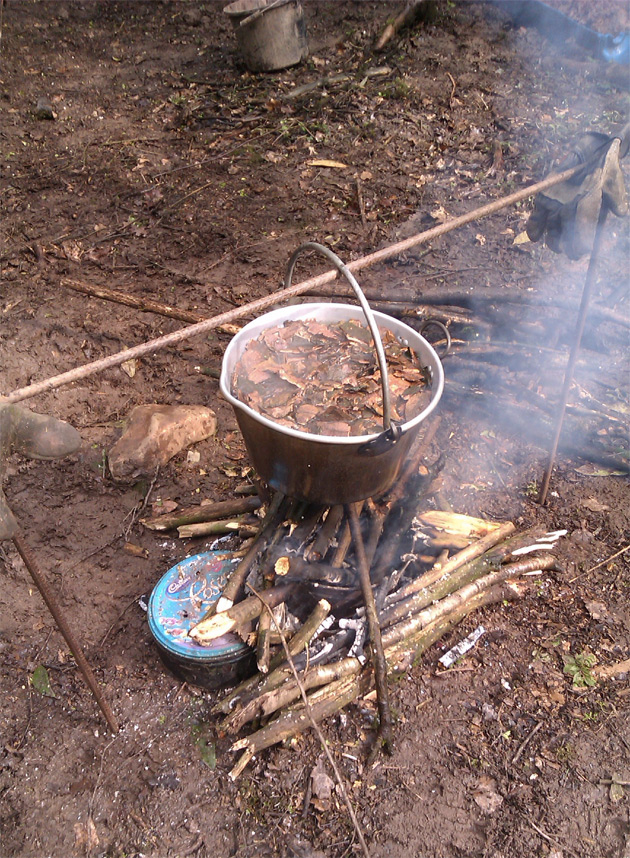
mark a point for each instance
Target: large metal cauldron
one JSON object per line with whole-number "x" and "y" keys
{"x": 323, "y": 468}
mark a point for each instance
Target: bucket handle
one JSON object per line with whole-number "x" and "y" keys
{"x": 258, "y": 13}
{"x": 392, "y": 430}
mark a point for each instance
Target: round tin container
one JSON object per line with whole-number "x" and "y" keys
{"x": 177, "y": 603}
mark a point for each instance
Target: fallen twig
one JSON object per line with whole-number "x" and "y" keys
{"x": 144, "y": 304}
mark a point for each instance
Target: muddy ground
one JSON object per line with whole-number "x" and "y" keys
{"x": 168, "y": 171}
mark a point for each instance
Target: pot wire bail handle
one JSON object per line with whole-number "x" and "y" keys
{"x": 392, "y": 430}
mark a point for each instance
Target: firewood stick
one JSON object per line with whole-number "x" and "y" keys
{"x": 418, "y": 453}
{"x": 211, "y": 627}
{"x": 470, "y": 553}
{"x": 301, "y": 638}
{"x": 277, "y": 698}
{"x": 466, "y": 574}
{"x": 405, "y": 653}
{"x": 277, "y": 667}
{"x": 293, "y": 722}
{"x": 238, "y": 576}
{"x": 203, "y": 512}
{"x": 345, "y": 539}
{"x": 378, "y": 657}
{"x": 263, "y": 644}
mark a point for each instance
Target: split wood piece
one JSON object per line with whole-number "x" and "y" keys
{"x": 277, "y": 667}
{"x": 276, "y": 297}
{"x": 385, "y": 732}
{"x": 454, "y": 522}
{"x": 209, "y": 628}
{"x": 242, "y": 525}
{"x": 202, "y": 512}
{"x": 321, "y": 544}
{"x": 337, "y": 694}
{"x": 465, "y": 575}
{"x": 144, "y": 304}
{"x": 237, "y": 579}
{"x": 42, "y": 585}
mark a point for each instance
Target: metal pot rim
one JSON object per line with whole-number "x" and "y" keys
{"x": 329, "y": 312}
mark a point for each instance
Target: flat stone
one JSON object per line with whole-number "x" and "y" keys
{"x": 154, "y": 434}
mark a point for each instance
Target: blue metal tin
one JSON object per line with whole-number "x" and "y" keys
{"x": 177, "y": 603}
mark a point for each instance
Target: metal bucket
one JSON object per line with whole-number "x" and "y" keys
{"x": 271, "y": 34}
{"x": 328, "y": 469}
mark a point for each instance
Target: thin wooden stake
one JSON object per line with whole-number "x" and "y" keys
{"x": 378, "y": 656}
{"x": 575, "y": 348}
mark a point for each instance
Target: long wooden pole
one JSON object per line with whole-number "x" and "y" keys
{"x": 297, "y": 289}
{"x": 62, "y": 624}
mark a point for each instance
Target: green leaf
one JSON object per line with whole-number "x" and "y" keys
{"x": 207, "y": 750}
{"x": 41, "y": 681}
